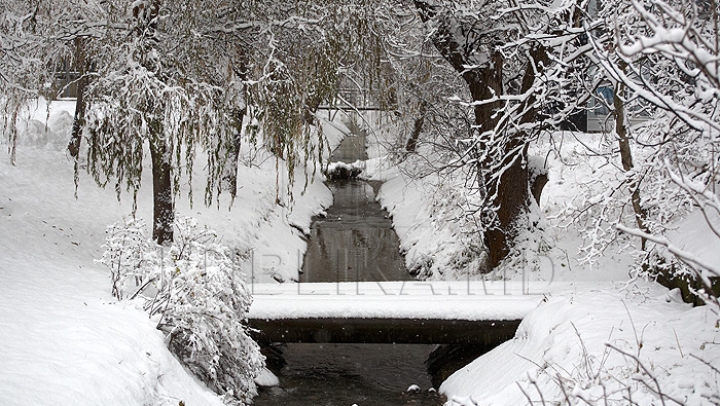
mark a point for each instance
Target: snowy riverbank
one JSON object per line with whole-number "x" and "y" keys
{"x": 599, "y": 346}
{"x": 64, "y": 339}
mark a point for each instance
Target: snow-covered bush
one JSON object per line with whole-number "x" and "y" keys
{"x": 195, "y": 292}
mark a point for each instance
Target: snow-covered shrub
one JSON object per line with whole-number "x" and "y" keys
{"x": 342, "y": 170}
{"x": 195, "y": 292}
{"x": 129, "y": 256}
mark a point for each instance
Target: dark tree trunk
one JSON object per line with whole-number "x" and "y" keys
{"x": 230, "y": 175}
{"x": 78, "y": 121}
{"x": 537, "y": 184}
{"x": 311, "y": 107}
{"x": 513, "y": 187}
{"x": 411, "y": 144}
{"x": 508, "y": 190}
{"x": 626, "y": 157}
{"x": 146, "y": 15}
{"x": 485, "y": 84}
{"x": 79, "y": 118}
{"x": 163, "y": 205}
{"x": 510, "y": 193}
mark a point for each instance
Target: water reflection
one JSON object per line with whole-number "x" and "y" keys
{"x": 355, "y": 241}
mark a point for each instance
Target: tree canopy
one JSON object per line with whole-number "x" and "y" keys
{"x": 477, "y": 82}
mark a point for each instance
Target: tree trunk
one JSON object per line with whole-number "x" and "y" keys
{"x": 79, "y": 118}
{"x": 507, "y": 193}
{"x": 537, "y": 184}
{"x": 78, "y": 122}
{"x": 510, "y": 193}
{"x": 502, "y": 168}
{"x": 160, "y": 152}
{"x": 411, "y": 144}
{"x": 485, "y": 84}
{"x": 512, "y": 188}
{"x": 163, "y": 205}
{"x": 626, "y": 157}
{"x": 311, "y": 107}
{"x": 229, "y": 181}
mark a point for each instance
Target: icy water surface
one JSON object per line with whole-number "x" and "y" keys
{"x": 354, "y": 242}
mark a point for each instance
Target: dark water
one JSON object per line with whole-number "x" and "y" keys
{"x": 347, "y": 374}
{"x": 354, "y": 242}
{"x": 350, "y": 150}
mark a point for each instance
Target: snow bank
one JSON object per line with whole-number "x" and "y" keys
{"x": 561, "y": 346}
{"x": 435, "y": 236}
{"x": 65, "y": 342}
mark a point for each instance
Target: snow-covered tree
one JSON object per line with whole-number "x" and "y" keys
{"x": 161, "y": 76}
{"x": 513, "y": 58}
{"x": 177, "y": 79}
{"x": 22, "y": 72}
{"x": 157, "y": 83}
{"x": 663, "y": 57}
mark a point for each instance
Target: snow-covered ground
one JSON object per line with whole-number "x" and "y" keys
{"x": 63, "y": 338}
{"x": 600, "y": 347}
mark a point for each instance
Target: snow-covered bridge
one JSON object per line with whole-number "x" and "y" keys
{"x": 391, "y": 312}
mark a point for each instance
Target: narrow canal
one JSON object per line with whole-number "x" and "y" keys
{"x": 353, "y": 242}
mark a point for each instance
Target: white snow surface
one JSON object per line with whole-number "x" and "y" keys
{"x": 63, "y": 338}
{"x": 267, "y": 378}
{"x": 567, "y": 339}
{"x": 696, "y": 228}
{"x": 394, "y": 300}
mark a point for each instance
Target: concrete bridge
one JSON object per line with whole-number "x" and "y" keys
{"x": 411, "y": 312}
